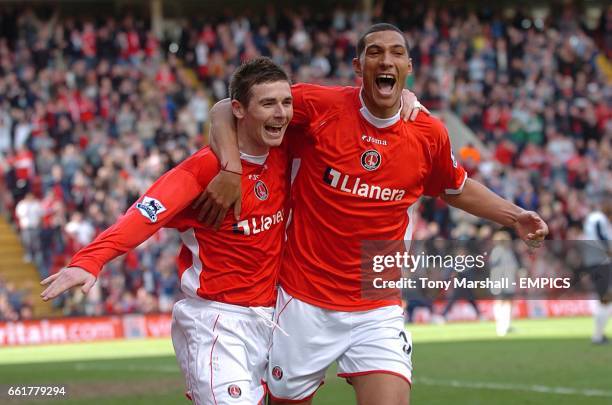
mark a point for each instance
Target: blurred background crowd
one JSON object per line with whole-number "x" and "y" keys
{"x": 92, "y": 110}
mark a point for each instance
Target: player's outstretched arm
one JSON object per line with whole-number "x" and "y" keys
{"x": 224, "y": 189}
{"x": 478, "y": 200}
{"x": 65, "y": 279}
{"x": 169, "y": 195}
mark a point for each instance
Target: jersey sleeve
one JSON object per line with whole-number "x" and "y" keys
{"x": 312, "y": 103}
{"x": 168, "y": 196}
{"x": 445, "y": 175}
{"x": 301, "y": 110}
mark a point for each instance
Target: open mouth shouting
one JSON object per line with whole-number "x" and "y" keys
{"x": 385, "y": 83}
{"x": 274, "y": 130}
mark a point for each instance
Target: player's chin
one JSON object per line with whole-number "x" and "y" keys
{"x": 387, "y": 98}
{"x": 273, "y": 141}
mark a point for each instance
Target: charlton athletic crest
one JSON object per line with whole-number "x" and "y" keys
{"x": 234, "y": 391}
{"x": 370, "y": 160}
{"x": 277, "y": 373}
{"x": 261, "y": 191}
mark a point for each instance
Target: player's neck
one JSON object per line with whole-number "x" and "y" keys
{"x": 379, "y": 111}
{"x": 379, "y": 116}
{"x": 247, "y": 144}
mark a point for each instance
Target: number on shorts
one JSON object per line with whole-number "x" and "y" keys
{"x": 407, "y": 347}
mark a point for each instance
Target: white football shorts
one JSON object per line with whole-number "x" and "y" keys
{"x": 363, "y": 342}
{"x": 222, "y": 350}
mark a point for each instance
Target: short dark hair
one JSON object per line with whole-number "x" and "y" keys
{"x": 377, "y": 28}
{"x": 255, "y": 71}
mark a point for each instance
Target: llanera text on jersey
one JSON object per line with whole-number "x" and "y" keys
{"x": 255, "y": 225}
{"x": 356, "y": 186}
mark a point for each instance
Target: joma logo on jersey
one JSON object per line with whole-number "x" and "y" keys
{"x": 355, "y": 186}
{"x": 150, "y": 208}
{"x": 253, "y": 226}
{"x": 371, "y": 139}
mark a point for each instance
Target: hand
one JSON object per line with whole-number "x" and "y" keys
{"x": 531, "y": 228}
{"x": 412, "y": 106}
{"x": 223, "y": 191}
{"x": 65, "y": 279}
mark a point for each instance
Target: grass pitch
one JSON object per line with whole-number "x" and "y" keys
{"x": 545, "y": 362}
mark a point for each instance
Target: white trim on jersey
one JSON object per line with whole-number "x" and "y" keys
{"x": 374, "y": 120}
{"x": 453, "y": 191}
{"x": 295, "y": 168}
{"x": 190, "y": 279}
{"x": 256, "y": 160}
{"x": 410, "y": 227}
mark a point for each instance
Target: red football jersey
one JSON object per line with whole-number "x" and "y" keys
{"x": 237, "y": 264}
{"x": 358, "y": 179}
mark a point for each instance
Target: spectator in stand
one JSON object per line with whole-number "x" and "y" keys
{"x": 167, "y": 285}
{"x": 13, "y": 305}
{"x": 79, "y": 230}
{"x": 7, "y": 312}
{"x": 29, "y": 215}
{"x": 22, "y": 164}
{"x": 51, "y": 237}
{"x": 5, "y": 132}
{"x": 470, "y": 156}
{"x": 199, "y": 106}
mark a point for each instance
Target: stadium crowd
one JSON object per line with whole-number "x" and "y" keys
{"x": 92, "y": 111}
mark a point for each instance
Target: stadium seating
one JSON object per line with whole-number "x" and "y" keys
{"x": 91, "y": 113}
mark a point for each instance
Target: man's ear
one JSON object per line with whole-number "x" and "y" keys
{"x": 409, "y": 66}
{"x": 238, "y": 110}
{"x": 357, "y": 67}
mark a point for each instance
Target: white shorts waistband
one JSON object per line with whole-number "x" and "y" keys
{"x": 249, "y": 312}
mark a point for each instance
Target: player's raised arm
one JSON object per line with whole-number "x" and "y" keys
{"x": 478, "y": 200}
{"x": 168, "y": 196}
{"x": 224, "y": 189}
